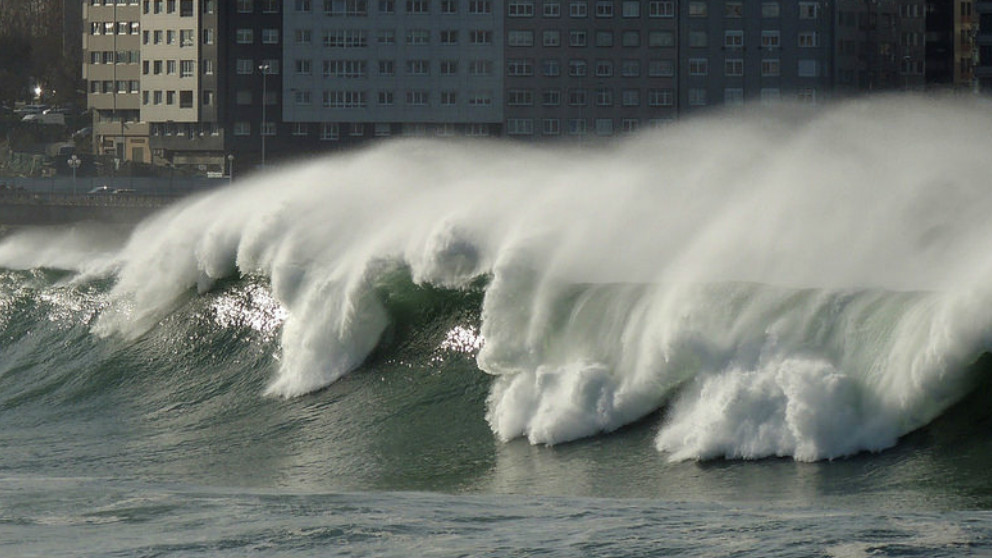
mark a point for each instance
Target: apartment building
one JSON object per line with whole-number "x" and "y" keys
{"x": 588, "y": 67}
{"x": 179, "y": 64}
{"x": 738, "y": 52}
{"x": 357, "y": 69}
{"x": 112, "y": 70}
{"x": 251, "y": 83}
{"x": 983, "y": 42}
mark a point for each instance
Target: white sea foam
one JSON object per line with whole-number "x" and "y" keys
{"x": 792, "y": 283}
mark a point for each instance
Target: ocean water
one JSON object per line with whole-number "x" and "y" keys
{"x": 758, "y": 334}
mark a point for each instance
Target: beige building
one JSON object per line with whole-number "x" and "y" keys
{"x": 112, "y": 70}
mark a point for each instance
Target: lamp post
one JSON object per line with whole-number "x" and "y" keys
{"x": 264, "y": 68}
{"x": 74, "y": 163}
{"x": 230, "y": 168}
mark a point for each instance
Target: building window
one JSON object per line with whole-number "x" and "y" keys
{"x": 660, "y": 97}
{"x": 520, "y": 8}
{"x": 577, "y": 68}
{"x": 604, "y": 38}
{"x": 347, "y": 69}
{"x": 769, "y": 9}
{"x": 187, "y": 68}
{"x": 270, "y": 36}
{"x": 630, "y": 68}
{"x": 661, "y": 68}
{"x": 658, "y": 39}
{"x": 733, "y": 40}
{"x": 418, "y": 37}
{"x": 329, "y": 131}
{"x": 480, "y": 7}
{"x": 170, "y": 67}
{"x": 807, "y": 39}
{"x": 301, "y": 129}
{"x": 418, "y": 6}
{"x": 551, "y": 9}
{"x": 577, "y": 97}
{"x": 808, "y": 10}
{"x": 303, "y": 36}
{"x": 577, "y": 9}
{"x": 345, "y": 99}
{"x": 385, "y": 98}
{"x": 244, "y": 6}
{"x": 449, "y": 37}
{"x": 577, "y": 38}
{"x": 244, "y": 36}
{"x": 387, "y": 67}
{"x": 346, "y": 8}
{"x": 480, "y": 98}
{"x": 698, "y": 39}
{"x": 449, "y": 7}
{"x": 733, "y": 67}
{"x": 208, "y": 36}
{"x": 186, "y": 99}
{"x": 551, "y": 38}
{"x": 733, "y": 97}
{"x": 604, "y": 8}
{"x": 242, "y": 128}
{"x": 519, "y": 67}
{"x": 486, "y": 37}
{"x": 303, "y": 5}
{"x": 733, "y": 9}
{"x": 604, "y": 126}
{"x": 449, "y": 98}
{"x": 551, "y": 127}
{"x": 770, "y": 39}
{"x": 449, "y": 67}
{"x": 418, "y": 98}
{"x": 519, "y": 97}
{"x": 661, "y": 8}
{"x": 697, "y": 97}
{"x": 770, "y": 95}
{"x": 697, "y": 8}
{"x": 698, "y": 66}
{"x": 631, "y": 97}
{"x": 520, "y": 127}
{"x": 604, "y": 97}
{"x": 551, "y": 97}
{"x": 302, "y": 97}
{"x": 245, "y": 66}
{"x": 630, "y": 39}
{"x": 577, "y": 126}
{"x": 808, "y": 68}
{"x": 418, "y": 67}
{"x": 270, "y": 6}
{"x": 551, "y": 67}
{"x": 345, "y": 38}
{"x": 268, "y": 128}
{"x": 520, "y": 38}
{"x": 386, "y": 37}
{"x": 770, "y": 67}
{"x": 480, "y": 67}
{"x": 604, "y": 68}
{"x": 304, "y": 66}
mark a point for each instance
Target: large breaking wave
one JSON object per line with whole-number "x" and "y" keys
{"x": 790, "y": 283}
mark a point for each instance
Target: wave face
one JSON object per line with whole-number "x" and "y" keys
{"x": 793, "y": 284}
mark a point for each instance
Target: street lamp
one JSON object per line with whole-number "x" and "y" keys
{"x": 230, "y": 168}
{"x": 37, "y": 92}
{"x": 74, "y": 163}
{"x": 264, "y": 68}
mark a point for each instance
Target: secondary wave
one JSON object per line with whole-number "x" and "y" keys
{"x": 797, "y": 284}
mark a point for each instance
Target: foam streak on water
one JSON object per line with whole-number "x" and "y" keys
{"x": 791, "y": 283}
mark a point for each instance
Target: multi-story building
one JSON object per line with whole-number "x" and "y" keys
{"x": 112, "y": 70}
{"x": 578, "y": 67}
{"x": 252, "y": 60}
{"x": 356, "y": 69}
{"x": 187, "y": 82}
{"x": 983, "y": 42}
{"x": 735, "y": 52}
{"x": 179, "y": 83}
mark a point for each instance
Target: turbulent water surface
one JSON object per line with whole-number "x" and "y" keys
{"x": 759, "y": 334}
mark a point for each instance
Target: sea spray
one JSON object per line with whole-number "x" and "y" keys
{"x": 788, "y": 282}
